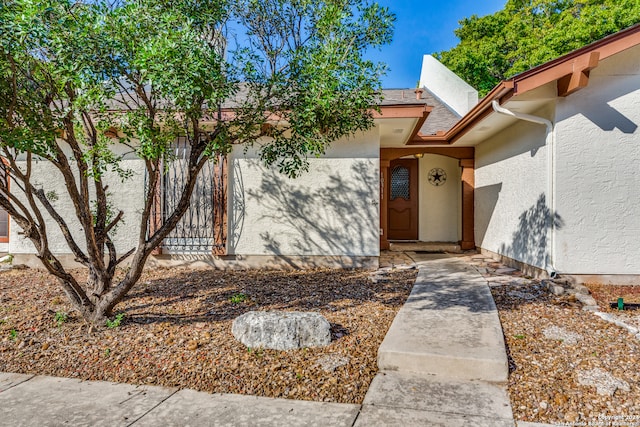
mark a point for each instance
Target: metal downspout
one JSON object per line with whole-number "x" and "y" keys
{"x": 550, "y": 142}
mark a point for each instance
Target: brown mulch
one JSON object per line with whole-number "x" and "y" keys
{"x": 552, "y": 342}
{"x": 177, "y": 331}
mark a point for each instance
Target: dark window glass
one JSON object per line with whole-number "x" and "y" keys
{"x": 4, "y": 223}
{"x": 400, "y": 183}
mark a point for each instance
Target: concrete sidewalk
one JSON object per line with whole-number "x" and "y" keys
{"x": 48, "y": 401}
{"x": 443, "y": 363}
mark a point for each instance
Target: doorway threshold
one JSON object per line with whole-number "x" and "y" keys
{"x": 424, "y": 247}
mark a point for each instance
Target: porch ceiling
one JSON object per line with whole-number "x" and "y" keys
{"x": 396, "y": 132}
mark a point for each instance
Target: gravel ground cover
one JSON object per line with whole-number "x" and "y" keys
{"x": 607, "y": 294}
{"x": 176, "y": 331}
{"x": 567, "y": 365}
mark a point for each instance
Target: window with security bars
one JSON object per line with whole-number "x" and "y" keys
{"x": 202, "y": 229}
{"x": 4, "y": 216}
{"x": 400, "y": 183}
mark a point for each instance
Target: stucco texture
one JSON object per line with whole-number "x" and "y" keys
{"x": 596, "y": 184}
{"x": 598, "y": 171}
{"x": 127, "y": 196}
{"x": 439, "y": 206}
{"x": 511, "y": 206}
{"x": 331, "y": 210}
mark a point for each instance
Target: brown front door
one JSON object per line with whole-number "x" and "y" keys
{"x": 403, "y": 199}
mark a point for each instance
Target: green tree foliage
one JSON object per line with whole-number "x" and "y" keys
{"x": 527, "y": 33}
{"x": 286, "y": 75}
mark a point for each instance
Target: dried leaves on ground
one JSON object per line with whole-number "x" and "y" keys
{"x": 567, "y": 365}
{"x": 176, "y": 331}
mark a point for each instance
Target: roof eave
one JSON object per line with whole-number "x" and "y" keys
{"x": 501, "y": 92}
{"x": 570, "y": 72}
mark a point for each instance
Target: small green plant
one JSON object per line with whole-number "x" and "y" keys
{"x": 255, "y": 351}
{"x": 238, "y": 298}
{"x": 107, "y": 352}
{"x": 111, "y": 324}
{"x": 519, "y": 336}
{"x": 60, "y": 317}
{"x": 13, "y": 335}
{"x": 52, "y": 196}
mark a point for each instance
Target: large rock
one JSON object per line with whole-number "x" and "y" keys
{"x": 281, "y": 330}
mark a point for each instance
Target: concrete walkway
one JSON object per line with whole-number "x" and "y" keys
{"x": 448, "y": 327}
{"x": 442, "y": 363}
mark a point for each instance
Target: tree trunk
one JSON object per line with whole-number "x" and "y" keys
{"x": 97, "y": 308}
{"x": 97, "y": 317}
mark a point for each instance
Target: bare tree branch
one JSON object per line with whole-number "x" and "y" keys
{"x": 64, "y": 228}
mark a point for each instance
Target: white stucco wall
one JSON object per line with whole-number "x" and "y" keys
{"x": 439, "y": 207}
{"x": 510, "y": 196}
{"x": 598, "y": 171}
{"x": 332, "y": 210}
{"x": 448, "y": 86}
{"x": 127, "y": 196}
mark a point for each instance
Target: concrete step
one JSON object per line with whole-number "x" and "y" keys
{"x": 400, "y": 398}
{"x": 434, "y": 247}
{"x": 448, "y": 327}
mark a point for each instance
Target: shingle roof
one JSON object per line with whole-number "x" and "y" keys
{"x": 400, "y": 96}
{"x": 441, "y": 117}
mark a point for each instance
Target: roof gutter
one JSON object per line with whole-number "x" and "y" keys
{"x": 521, "y": 116}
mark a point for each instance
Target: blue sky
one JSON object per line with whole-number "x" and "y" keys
{"x": 424, "y": 27}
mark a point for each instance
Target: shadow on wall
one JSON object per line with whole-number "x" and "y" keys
{"x": 529, "y": 241}
{"x": 608, "y": 118}
{"x": 486, "y": 199}
{"x": 336, "y": 219}
{"x": 599, "y": 109}
{"x": 518, "y": 139}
